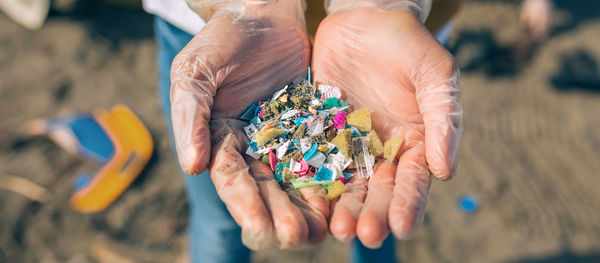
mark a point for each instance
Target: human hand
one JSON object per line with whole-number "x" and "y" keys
{"x": 536, "y": 16}
{"x": 245, "y": 52}
{"x": 388, "y": 62}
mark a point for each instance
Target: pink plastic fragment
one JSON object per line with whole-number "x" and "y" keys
{"x": 340, "y": 120}
{"x": 260, "y": 114}
{"x": 342, "y": 179}
{"x": 272, "y": 160}
{"x": 303, "y": 168}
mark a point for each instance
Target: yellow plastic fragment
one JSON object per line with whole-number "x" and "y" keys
{"x": 335, "y": 190}
{"x": 391, "y": 148}
{"x": 322, "y": 148}
{"x": 288, "y": 175}
{"x": 360, "y": 119}
{"x": 375, "y": 145}
{"x": 312, "y": 110}
{"x": 343, "y": 141}
{"x": 267, "y": 135}
{"x": 283, "y": 98}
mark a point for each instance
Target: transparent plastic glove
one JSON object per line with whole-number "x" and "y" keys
{"x": 389, "y": 63}
{"x": 536, "y": 16}
{"x": 242, "y": 55}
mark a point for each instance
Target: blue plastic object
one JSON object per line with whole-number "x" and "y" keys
{"x": 468, "y": 204}
{"x": 311, "y": 152}
{"x": 81, "y": 181}
{"x": 323, "y": 174}
{"x": 92, "y": 139}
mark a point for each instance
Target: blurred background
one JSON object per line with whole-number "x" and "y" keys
{"x": 530, "y": 154}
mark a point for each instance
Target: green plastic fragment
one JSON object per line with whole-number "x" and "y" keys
{"x": 279, "y": 170}
{"x": 332, "y": 102}
{"x": 265, "y": 158}
{"x": 303, "y": 183}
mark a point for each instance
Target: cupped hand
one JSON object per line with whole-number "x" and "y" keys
{"x": 389, "y": 63}
{"x": 234, "y": 62}
{"x": 536, "y": 16}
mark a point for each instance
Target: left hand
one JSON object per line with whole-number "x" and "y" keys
{"x": 389, "y": 63}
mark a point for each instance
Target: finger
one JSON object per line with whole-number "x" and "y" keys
{"x": 409, "y": 199}
{"x": 237, "y": 188}
{"x": 316, "y": 197}
{"x": 291, "y": 229}
{"x": 317, "y": 224}
{"x": 196, "y": 73}
{"x": 345, "y": 211}
{"x": 372, "y": 227}
{"x": 437, "y": 92}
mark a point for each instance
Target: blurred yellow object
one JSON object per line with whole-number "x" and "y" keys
{"x": 133, "y": 148}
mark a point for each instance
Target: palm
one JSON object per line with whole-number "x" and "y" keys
{"x": 224, "y": 69}
{"x": 383, "y": 61}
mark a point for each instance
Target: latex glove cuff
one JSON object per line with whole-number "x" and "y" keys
{"x": 420, "y": 8}
{"x": 239, "y": 9}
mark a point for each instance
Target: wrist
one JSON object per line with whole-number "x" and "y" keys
{"x": 292, "y": 10}
{"x": 419, "y": 8}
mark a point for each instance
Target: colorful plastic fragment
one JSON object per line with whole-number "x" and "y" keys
{"x": 360, "y": 119}
{"x": 335, "y": 190}
{"x": 308, "y": 138}
{"x": 375, "y": 144}
{"x": 343, "y": 141}
{"x": 340, "y": 120}
{"x": 264, "y": 136}
{"x": 391, "y": 148}
{"x": 272, "y": 160}
{"x": 363, "y": 160}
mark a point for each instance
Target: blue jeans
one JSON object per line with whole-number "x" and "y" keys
{"x": 213, "y": 235}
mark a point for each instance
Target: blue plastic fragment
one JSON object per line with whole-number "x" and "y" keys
{"x": 308, "y": 77}
{"x": 296, "y": 145}
{"x": 347, "y": 176}
{"x": 355, "y": 131}
{"x": 253, "y": 146}
{"x": 298, "y": 121}
{"x": 468, "y": 204}
{"x": 81, "y": 181}
{"x": 255, "y": 120}
{"x": 249, "y": 113}
{"x": 323, "y": 174}
{"x": 311, "y": 152}
{"x": 322, "y": 112}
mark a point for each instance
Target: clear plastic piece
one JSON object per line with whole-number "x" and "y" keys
{"x": 364, "y": 161}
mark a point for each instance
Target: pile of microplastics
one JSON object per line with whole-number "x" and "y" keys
{"x": 308, "y": 138}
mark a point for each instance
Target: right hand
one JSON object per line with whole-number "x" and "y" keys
{"x": 234, "y": 61}
{"x": 536, "y": 16}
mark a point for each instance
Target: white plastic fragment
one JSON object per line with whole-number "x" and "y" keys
{"x": 250, "y": 131}
{"x": 338, "y": 160}
{"x": 304, "y": 145}
{"x": 329, "y": 91}
{"x": 295, "y": 166}
{"x": 317, "y": 160}
{"x": 290, "y": 114}
{"x": 335, "y": 169}
{"x": 279, "y": 93}
{"x": 282, "y": 149}
{"x": 364, "y": 160}
{"x": 315, "y": 124}
{"x": 252, "y": 153}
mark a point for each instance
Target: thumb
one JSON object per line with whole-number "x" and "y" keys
{"x": 437, "y": 92}
{"x": 191, "y": 102}
{"x": 196, "y": 73}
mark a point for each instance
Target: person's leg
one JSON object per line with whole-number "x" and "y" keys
{"x": 213, "y": 235}
{"x": 361, "y": 254}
